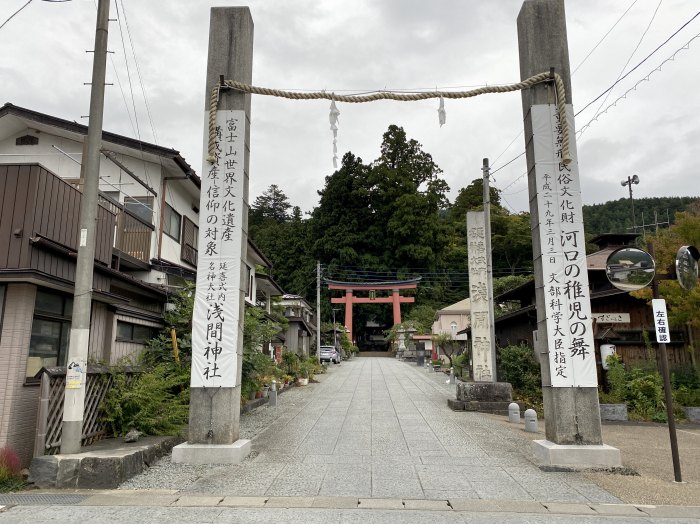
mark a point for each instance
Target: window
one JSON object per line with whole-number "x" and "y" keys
{"x": 190, "y": 241}
{"x": 142, "y": 207}
{"x": 27, "y": 140}
{"x": 171, "y": 223}
{"x": 48, "y": 345}
{"x": 136, "y": 333}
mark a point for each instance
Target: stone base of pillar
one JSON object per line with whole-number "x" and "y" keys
{"x": 569, "y": 455}
{"x": 485, "y": 392}
{"x": 196, "y": 454}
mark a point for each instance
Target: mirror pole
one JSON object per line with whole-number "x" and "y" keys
{"x": 663, "y": 363}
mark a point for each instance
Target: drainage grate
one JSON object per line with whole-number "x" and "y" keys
{"x": 38, "y": 499}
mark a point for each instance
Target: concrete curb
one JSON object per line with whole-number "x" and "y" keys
{"x": 163, "y": 498}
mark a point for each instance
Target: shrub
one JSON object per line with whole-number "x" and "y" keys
{"x": 461, "y": 365}
{"x": 645, "y": 395}
{"x": 518, "y": 366}
{"x": 687, "y": 397}
{"x": 10, "y": 466}
{"x": 685, "y": 376}
{"x": 290, "y": 363}
{"x": 617, "y": 381}
{"x": 156, "y": 402}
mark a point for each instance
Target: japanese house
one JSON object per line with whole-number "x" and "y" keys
{"x": 146, "y": 247}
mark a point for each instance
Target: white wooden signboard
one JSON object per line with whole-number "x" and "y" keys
{"x": 567, "y": 304}
{"x": 217, "y": 301}
{"x": 663, "y": 332}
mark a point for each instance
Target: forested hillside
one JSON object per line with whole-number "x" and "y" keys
{"x": 391, "y": 219}
{"x": 616, "y": 216}
{"x": 384, "y": 220}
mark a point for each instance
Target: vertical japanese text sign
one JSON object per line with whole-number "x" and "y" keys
{"x": 478, "y": 295}
{"x": 663, "y": 332}
{"x": 563, "y": 251}
{"x": 217, "y": 302}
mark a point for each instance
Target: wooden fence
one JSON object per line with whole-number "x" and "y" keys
{"x": 49, "y": 422}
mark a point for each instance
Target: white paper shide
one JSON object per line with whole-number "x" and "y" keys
{"x": 563, "y": 250}
{"x": 217, "y": 301}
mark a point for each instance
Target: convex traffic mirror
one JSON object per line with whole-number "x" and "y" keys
{"x": 630, "y": 269}
{"x": 687, "y": 267}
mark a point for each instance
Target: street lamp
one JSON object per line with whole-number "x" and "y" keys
{"x": 631, "y": 180}
{"x": 335, "y": 333}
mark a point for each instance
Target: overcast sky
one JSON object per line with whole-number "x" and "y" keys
{"x": 351, "y": 45}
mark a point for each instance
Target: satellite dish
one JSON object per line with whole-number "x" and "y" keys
{"x": 687, "y": 267}
{"x": 630, "y": 269}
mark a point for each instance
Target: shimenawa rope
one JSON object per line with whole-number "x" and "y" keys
{"x": 388, "y": 95}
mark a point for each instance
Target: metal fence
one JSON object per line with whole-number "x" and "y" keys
{"x": 49, "y": 424}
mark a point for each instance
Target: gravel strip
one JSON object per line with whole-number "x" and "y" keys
{"x": 166, "y": 475}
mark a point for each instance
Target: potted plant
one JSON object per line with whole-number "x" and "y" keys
{"x": 303, "y": 378}
{"x": 613, "y": 404}
{"x": 436, "y": 364}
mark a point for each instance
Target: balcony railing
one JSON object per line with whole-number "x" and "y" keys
{"x": 133, "y": 234}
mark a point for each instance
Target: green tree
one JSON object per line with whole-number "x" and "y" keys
{"x": 683, "y": 306}
{"x": 272, "y": 205}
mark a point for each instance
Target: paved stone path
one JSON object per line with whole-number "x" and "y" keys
{"x": 379, "y": 428}
{"x": 373, "y": 442}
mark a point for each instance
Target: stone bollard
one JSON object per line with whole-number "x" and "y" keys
{"x": 272, "y": 394}
{"x": 452, "y": 376}
{"x": 514, "y": 413}
{"x": 531, "y": 421}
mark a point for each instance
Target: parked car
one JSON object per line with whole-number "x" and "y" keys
{"x": 329, "y": 354}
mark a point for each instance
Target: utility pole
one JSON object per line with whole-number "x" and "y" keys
{"x": 74, "y": 399}
{"x": 318, "y": 310}
{"x": 632, "y": 180}
{"x": 489, "y": 263}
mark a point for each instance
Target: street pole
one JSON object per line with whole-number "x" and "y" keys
{"x": 663, "y": 364}
{"x": 76, "y": 371}
{"x": 335, "y": 333}
{"x": 318, "y": 310}
{"x": 489, "y": 263}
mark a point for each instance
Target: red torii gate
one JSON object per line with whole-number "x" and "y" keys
{"x": 395, "y": 299}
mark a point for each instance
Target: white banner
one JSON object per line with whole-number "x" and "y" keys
{"x": 217, "y": 299}
{"x": 563, "y": 250}
{"x": 663, "y": 331}
{"x": 482, "y": 365}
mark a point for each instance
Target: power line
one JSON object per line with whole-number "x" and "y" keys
{"x": 684, "y": 47}
{"x": 604, "y": 37}
{"x": 638, "y": 65}
{"x": 15, "y": 14}
{"x": 641, "y": 39}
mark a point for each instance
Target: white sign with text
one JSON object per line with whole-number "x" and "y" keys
{"x": 563, "y": 250}
{"x": 663, "y": 332}
{"x": 217, "y": 300}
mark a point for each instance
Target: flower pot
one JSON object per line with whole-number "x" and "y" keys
{"x": 258, "y": 394}
{"x": 303, "y": 381}
{"x": 266, "y": 391}
{"x": 613, "y": 412}
{"x": 252, "y": 395}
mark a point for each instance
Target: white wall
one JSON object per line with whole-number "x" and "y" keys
{"x": 181, "y": 201}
